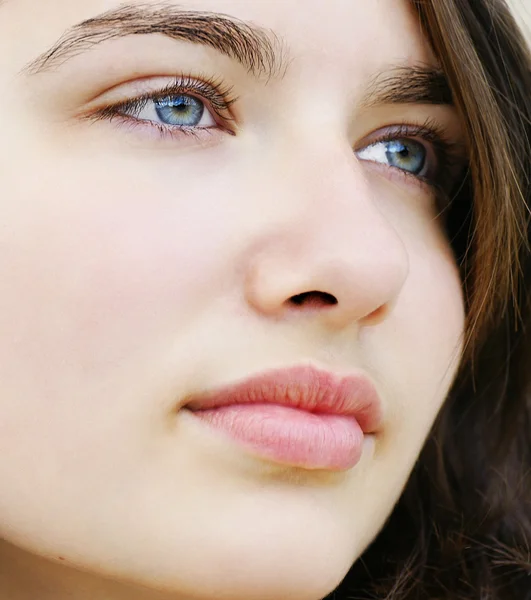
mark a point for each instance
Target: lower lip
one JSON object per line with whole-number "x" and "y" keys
{"x": 290, "y": 436}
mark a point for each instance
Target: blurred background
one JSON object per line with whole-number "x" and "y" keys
{"x": 522, "y": 9}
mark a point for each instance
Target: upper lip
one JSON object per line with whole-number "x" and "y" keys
{"x": 306, "y": 388}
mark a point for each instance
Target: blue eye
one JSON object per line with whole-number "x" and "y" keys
{"x": 177, "y": 111}
{"x": 405, "y": 154}
{"x": 180, "y": 111}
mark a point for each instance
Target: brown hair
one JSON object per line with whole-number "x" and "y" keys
{"x": 462, "y": 528}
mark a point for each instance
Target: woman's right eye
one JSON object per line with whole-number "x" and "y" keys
{"x": 179, "y": 110}
{"x": 186, "y": 106}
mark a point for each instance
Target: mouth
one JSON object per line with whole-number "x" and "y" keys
{"x": 302, "y": 417}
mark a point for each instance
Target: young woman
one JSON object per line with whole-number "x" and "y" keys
{"x": 256, "y": 259}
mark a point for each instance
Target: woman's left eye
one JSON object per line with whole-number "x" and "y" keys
{"x": 179, "y": 110}
{"x": 405, "y": 154}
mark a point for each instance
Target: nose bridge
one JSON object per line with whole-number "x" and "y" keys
{"x": 331, "y": 241}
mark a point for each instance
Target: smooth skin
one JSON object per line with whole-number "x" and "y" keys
{"x": 138, "y": 268}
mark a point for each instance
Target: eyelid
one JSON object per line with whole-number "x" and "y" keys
{"x": 213, "y": 92}
{"x": 433, "y": 136}
{"x": 427, "y": 132}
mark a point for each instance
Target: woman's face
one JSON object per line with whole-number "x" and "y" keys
{"x": 293, "y": 222}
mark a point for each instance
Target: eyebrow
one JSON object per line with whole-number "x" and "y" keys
{"x": 258, "y": 50}
{"x": 420, "y": 84}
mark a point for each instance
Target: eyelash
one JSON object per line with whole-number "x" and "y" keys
{"x": 218, "y": 98}
{"x": 449, "y": 156}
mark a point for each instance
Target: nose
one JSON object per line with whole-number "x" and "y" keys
{"x": 332, "y": 255}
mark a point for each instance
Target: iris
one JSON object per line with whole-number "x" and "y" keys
{"x": 407, "y": 155}
{"x": 180, "y": 110}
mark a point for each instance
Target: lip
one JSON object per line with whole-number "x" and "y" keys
{"x": 301, "y": 416}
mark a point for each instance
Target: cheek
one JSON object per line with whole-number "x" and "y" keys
{"x": 433, "y": 304}
{"x": 423, "y": 345}
{"x": 96, "y": 281}
{"x": 96, "y": 262}
{"x": 430, "y": 310}
{"x": 414, "y": 356}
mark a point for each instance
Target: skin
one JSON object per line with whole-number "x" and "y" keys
{"x": 136, "y": 270}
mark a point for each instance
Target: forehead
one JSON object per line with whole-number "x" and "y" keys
{"x": 321, "y": 35}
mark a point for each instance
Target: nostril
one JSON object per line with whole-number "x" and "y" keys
{"x": 313, "y": 299}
